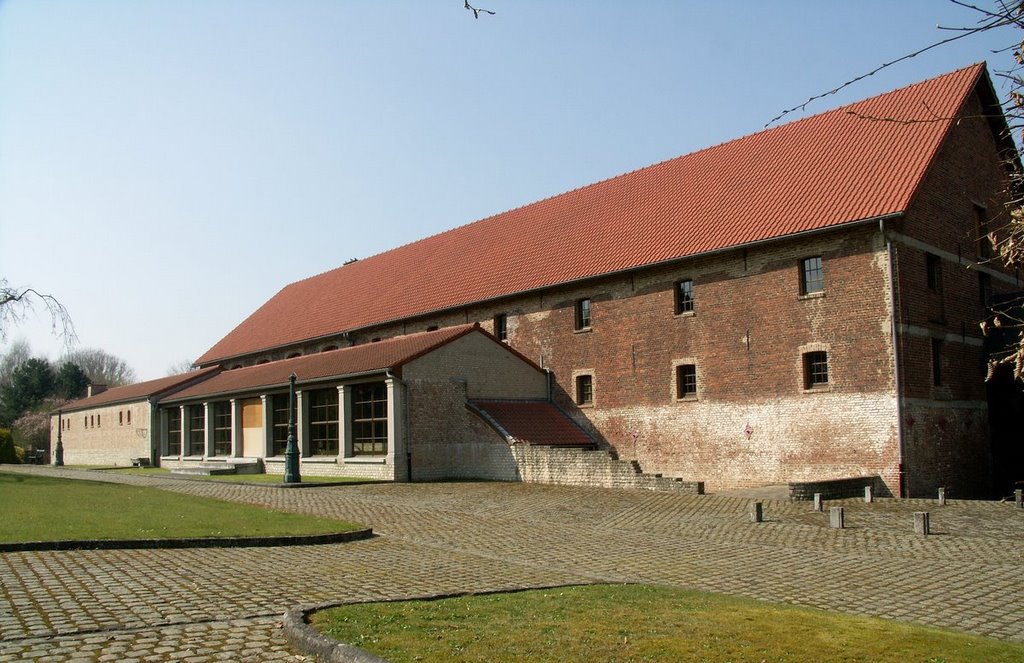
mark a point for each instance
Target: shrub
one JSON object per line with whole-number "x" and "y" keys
{"x": 7, "y": 451}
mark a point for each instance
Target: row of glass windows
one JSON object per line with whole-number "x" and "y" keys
{"x": 815, "y": 376}
{"x": 368, "y": 417}
{"x": 812, "y": 281}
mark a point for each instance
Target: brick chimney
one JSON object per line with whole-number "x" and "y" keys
{"x": 95, "y": 390}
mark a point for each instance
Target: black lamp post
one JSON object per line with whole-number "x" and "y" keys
{"x": 58, "y": 456}
{"x": 291, "y": 452}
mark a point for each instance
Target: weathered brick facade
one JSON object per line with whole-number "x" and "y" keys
{"x": 805, "y": 352}
{"x": 752, "y": 421}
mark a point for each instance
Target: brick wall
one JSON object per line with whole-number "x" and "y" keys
{"x": 945, "y": 421}
{"x": 103, "y": 435}
{"x": 752, "y": 421}
{"x": 447, "y": 441}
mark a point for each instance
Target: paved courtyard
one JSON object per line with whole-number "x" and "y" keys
{"x": 212, "y": 604}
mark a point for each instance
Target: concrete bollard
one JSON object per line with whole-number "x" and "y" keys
{"x": 1018, "y": 498}
{"x": 835, "y": 517}
{"x": 869, "y": 494}
{"x": 921, "y": 524}
{"x": 818, "y": 506}
{"x": 942, "y": 497}
{"x": 756, "y": 512}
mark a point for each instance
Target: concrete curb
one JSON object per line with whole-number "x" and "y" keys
{"x": 201, "y": 542}
{"x": 304, "y": 637}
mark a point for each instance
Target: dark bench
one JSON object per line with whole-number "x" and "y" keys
{"x": 140, "y": 462}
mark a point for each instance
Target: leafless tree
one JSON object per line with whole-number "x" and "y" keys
{"x": 102, "y": 367}
{"x": 17, "y": 302}
{"x": 183, "y": 366}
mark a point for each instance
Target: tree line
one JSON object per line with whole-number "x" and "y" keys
{"x": 31, "y": 388}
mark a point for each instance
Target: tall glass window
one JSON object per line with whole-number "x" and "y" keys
{"x": 222, "y": 429}
{"x": 279, "y": 403}
{"x": 369, "y": 419}
{"x": 197, "y": 430}
{"x": 174, "y": 431}
{"x": 323, "y": 422}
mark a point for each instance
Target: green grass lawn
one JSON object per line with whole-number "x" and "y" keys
{"x": 639, "y": 623}
{"x": 47, "y": 509}
{"x": 244, "y": 478}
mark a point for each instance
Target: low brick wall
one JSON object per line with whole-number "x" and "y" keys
{"x": 834, "y": 489}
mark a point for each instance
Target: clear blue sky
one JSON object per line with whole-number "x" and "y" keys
{"x": 167, "y": 166}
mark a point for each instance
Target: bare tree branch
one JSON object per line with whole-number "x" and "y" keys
{"x": 998, "y": 20}
{"x": 17, "y": 303}
{"x": 476, "y": 11}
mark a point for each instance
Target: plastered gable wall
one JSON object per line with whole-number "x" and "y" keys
{"x": 108, "y": 438}
{"x": 446, "y": 439}
{"x": 489, "y": 369}
{"x": 945, "y": 425}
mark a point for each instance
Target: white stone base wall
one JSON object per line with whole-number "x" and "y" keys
{"x": 808, "y": 438}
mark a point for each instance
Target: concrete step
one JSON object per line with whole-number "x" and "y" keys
{"x": 206, "y": 470}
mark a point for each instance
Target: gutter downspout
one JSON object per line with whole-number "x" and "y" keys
{"x": 405, "y": 428}
{"x": 154, "y": 433}
{"x": 551, "y": 379}
{"x": 901, "y": 469}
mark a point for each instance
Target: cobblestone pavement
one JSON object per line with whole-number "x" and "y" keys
{"x": 210, "y": 604}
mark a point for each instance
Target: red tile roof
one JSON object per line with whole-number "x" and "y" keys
{"x": 140, "y": 391}
{"x": 368, "y": 358}
{"x": 811, "y": 174}
{"x": 535, "y": 422}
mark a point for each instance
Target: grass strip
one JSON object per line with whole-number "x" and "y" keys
{"x": 49, "y": 509}
{"x": 639, "y": 623}
{"x": 231, "y": 478}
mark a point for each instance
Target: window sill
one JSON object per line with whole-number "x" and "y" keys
{"x": 195, "y": 458}
{"x": 326, "y": 460}
{"x": 686, "y": 314}
{"x": 365, "y": 460}
{"x": 583, "y": 330}
{"x": 585, "y": 406}
{"x": 174, "y": 457}
{"x": 688, "y": 399}
{"x": 813, "y": 295}
{"x": 819, "y": 389}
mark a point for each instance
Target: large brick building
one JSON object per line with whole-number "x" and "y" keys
{"x": 796, "y": 305}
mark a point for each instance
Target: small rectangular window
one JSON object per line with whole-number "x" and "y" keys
{"x": 936, "y": 362}
{"x": 120, "y": 417}
{"x": 501, "y": 326}
{"x": 686, "y": 381}
{"x": 584, "y": 389}
{"x": 812, "y": 276}
{"x": 981, "y": 226}
{"x": 984, "y": 288}
{"x": 684, "y": 297}
{"x": 583, "y": 314}
{"x": 129, "y": 417}
{"x": 933, "y": 265}
{"x": 815, "y": 370}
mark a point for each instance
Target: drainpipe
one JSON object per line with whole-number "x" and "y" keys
{"x": 901, "y": 477}
{"x": 551, "y": 388}
{"x": 405, "y": 415}
{"x": 154, "y": 433}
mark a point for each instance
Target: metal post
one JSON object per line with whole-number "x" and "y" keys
{"x": 58, "y": 455}
{"x": 291, "y": 452}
